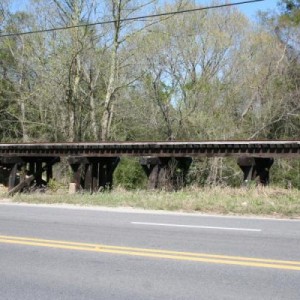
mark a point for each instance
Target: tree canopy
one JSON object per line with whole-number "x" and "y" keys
{"x": 210, "y": 74}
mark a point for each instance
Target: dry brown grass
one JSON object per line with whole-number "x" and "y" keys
{"x": 270, "y": 201}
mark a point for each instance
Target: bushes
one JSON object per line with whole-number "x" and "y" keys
{"x": 210, "y": 172}
{"x": 130, "y": 175}
{"x": 285, "y": 173}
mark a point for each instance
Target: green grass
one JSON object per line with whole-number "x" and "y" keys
{"x": 268, "y": 201}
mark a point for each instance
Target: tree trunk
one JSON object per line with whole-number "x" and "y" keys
{"x": 111, "y": 88}
{"x": 107, "y": 114}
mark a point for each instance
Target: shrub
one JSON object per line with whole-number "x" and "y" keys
{"x": 130, "y": 175}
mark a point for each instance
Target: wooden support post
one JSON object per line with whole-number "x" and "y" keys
{"x": 247, "y": 165}
{"x": 263, "y": 166}
{"x": 88, "y": 177}
{"x": 49, "y": 173}
{"x": 95, "y": 177}
{"x": 39, "y": 173}
{"x": 153, "y": 177}
{"x": 111, "y": 165}
{"x": 32, "y": 168}
{"x": 147, "y": 169}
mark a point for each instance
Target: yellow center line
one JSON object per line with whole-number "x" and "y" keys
{"x": 155, "y": 253}
{"x": 107, "y": 247}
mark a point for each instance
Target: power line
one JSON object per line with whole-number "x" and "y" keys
{"x": 130, "y": 19}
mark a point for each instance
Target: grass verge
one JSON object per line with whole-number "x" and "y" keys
{"x": 268, "y": 201}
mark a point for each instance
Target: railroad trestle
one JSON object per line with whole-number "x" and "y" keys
{"x": 93, "y": 164}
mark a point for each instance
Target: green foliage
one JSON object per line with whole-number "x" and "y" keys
{"x": 130, "y": 175}
{"x": 291, "y": 11}
{"x": 286, "y": 173}
{"x": 214, "y": 172}
{"x": 54, "y": 185}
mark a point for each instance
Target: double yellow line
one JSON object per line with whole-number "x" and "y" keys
{"x": 155, "y": 253}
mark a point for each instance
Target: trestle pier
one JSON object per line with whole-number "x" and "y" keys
{"x": 93, "y": 173}
{"x": 22, "y": 172}
{"x": 256, "y": 168}
{"x": 166, "y": 172}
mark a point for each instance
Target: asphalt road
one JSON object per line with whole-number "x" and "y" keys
{"x": 74, "y": 253}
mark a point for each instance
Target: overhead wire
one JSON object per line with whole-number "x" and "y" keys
{"x": 138, "y": 18}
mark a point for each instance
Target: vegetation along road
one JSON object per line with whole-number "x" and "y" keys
{"x": 85, "y": 253}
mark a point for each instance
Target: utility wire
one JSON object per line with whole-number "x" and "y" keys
{"x": 130, "y": 19}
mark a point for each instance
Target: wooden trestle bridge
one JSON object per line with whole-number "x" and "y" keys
{"x": 93, "y": 164}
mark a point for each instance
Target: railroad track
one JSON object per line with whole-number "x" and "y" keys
{"x": 288, "y": 149}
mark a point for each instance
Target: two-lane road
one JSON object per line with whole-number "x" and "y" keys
{"x": 82, "y": 253}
